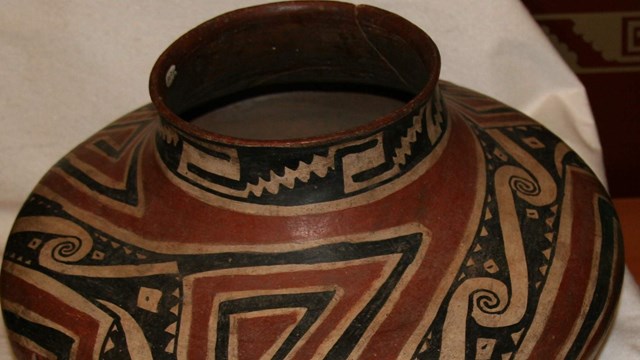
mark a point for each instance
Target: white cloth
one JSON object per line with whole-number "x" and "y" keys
{"x": 69, "y": 68}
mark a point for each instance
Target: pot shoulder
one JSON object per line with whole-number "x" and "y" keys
{"x": 496, "y": 239}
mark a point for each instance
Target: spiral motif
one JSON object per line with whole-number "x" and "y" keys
{"x": 535, "y": 184}
{"x": 524, "y": 186}
{"x": 67, "y": 249}
{"x": 71, "y": 242}
{"x": 490, "y": 306}
{"x": 488, "y": 301}
{"x": 491, "y": 302}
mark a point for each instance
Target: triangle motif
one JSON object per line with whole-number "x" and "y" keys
{"x": 260, "y": 334}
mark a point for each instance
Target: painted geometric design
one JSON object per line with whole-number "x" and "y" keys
{"x": 533, "y": 143}
{"x": 331, "y": 172}
{"x": 328, "y": 297}
{"x": 484, "y": 349}
{"x": 76, "y": 330}
{"x": 231, "y": 341}
{"x": 219, "y": 298}
{"x": 148, "y": 299}
{"x": 108, "y": 162}
{"x": 489, "y": 280}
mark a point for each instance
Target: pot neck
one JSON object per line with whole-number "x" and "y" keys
{"x": 295, "y": 45}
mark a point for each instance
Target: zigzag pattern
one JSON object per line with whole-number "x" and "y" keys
{"x": 364, "y": 162}
{"x": 401, "y": 153}
{"x": 319, "y": 165}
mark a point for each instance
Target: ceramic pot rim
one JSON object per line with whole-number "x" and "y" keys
{"x": 421, "y": 43}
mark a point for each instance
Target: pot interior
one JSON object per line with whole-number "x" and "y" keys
{"x": 294, "y": 70}
{"x": 295, "y": 113}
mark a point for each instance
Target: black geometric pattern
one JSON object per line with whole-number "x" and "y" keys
{"x": 259, "y": 164}
{"x": 164, "y": 291}
{"x": 486, "y": 256}
{"x": 314, "y": 303}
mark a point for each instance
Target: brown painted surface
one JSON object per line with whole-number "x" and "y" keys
{"x": 451, "y": 227}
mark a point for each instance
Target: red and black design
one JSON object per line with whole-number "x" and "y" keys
{"x": 453, "y": 227}
{"x": 332, "y": 295}
{"x": 289, "y": 176}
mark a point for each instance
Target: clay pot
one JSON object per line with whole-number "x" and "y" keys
{"x": 303, "y": 186}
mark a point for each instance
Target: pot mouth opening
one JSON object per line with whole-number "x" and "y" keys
{"x": 294, "y": 74}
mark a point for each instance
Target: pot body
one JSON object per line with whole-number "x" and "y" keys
{"x": 458, "y": 229}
